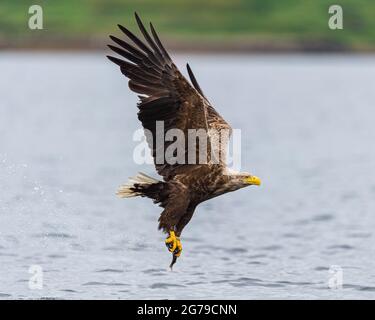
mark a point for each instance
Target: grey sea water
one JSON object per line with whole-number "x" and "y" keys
{"x": 66, "y": 126}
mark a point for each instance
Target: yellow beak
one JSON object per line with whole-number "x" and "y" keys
{"x": 253, "y": 180}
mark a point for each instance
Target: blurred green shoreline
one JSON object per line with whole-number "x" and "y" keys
{"x": 240, "y": 46}
{"x": 193, "y": 25}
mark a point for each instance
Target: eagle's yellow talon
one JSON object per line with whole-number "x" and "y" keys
{"x": 174, "y": 244}
{"x": 171, "y": 241}
{"x": 178, "y": 250}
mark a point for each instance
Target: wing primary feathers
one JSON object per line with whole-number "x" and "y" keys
{"x": 125, "y": 54}
{"x": 149, "y": 75}
{"x": 137, "y": 53}
{"x": 139, "y": 43}
{"x": 154, "y": 34}
{"x": 128, "y": 47}
{"x": 144, "y": 79}
{"x": 194, "y": 81}
{"x": 147, "y": 36}
{"x": 130, "y": 69}
{"x": 120, "y": 62}
{"x": 145, "y": 89}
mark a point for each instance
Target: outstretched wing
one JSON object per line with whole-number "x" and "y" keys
{"x": 166, "y": 96}
{"x": 167, "y": 100}
{"x": 221, "y": 130}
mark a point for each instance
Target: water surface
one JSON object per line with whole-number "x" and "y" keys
{"x": 66, "y": 125}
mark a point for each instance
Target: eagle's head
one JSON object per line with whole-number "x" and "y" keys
{"x": 239, "y": 180}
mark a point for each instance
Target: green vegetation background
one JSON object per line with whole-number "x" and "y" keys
{"x": 198, "y": 20}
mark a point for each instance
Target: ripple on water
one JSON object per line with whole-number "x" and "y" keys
{"x": 320, "y": 268}
{"x": 291, "y": 235}
{"x": 221, "y": 281}
{"x": 349, "y": 196}
{"x": 257, "y": 256}
{"x": 189, "y": 239}
{"x": 341, "y": 246}
{"x": 295, "y": 283}
{"x": 193, "y": 283}
{"x": 60, "y": 235}
{"x": 154, "y": 271}
{"x": 110, "y": 270}
{"x": 359, "y": 235}
{"x": 22, "y": 280}
{"x": 214, "y": 248}
{"x": 161, "y": 285}
{"x": 322, "y": 217}
{"x": 245, "y": 282}
{"x": 372, "y": 289}
{"x": 56, "y": 256}
{"x": 256, "y": 263}
{"x": 3, "y": 254}
{"x": 110, "y": 284}
{"x": 112, "y": 248}
{"x": 274, "y": 247}
{"x": 359, "y": 287}
{"x": 236, "y": 250}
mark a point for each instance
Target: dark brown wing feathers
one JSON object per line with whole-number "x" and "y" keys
{"x": 194, "y": 81}
{"x": 164, "y": 92}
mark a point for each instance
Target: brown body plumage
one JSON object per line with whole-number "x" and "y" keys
{"x": 166, "y": 95}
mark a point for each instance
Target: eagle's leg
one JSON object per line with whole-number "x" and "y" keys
{"x": 173, "y": 243}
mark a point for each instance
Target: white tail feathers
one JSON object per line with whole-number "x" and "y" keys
{"x": 125, "y": 190}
